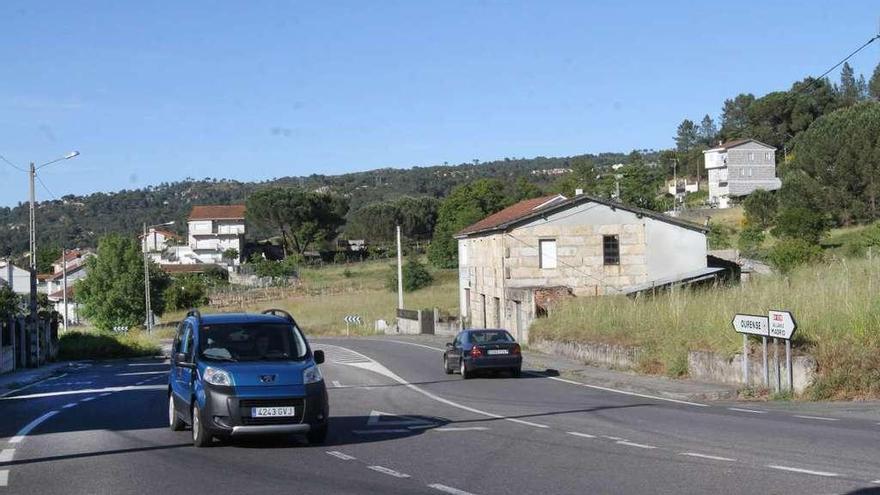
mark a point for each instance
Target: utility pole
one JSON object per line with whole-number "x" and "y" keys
{"x": 399, "y": 272}
{"x": 64, "y": 282}
{"x": 147, "y": 284}
{"x": 32, "y": 173}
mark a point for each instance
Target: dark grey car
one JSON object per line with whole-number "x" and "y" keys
{"x": 490, "y": 349}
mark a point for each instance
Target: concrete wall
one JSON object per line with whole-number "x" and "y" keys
{"x": 712, "y": 367}
{"x": 673, "y": 250}
{"x": 612, "y": 356}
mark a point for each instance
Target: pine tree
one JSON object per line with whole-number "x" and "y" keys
{"x": 708, "y": 130}
{"x": 874, "y": 84}
{"x": 849, "y": 87}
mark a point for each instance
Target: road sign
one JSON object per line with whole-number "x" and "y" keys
{"x": 751, "y": 324}
{"x": 354, "y": 319}
{"x": 782, "y": 324}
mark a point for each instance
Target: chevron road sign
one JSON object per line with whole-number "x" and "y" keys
{"x": 353, "y": 319}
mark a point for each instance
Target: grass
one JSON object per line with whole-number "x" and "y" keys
{"x": 328, "y": 294}
{"x": 835, "y": 304}
{"x": 106, "y": 345}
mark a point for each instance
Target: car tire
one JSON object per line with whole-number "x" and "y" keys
{"x": 200, "y": 435}
{"x": 516, "y": 372}
{"x": 446, "y": 367}
{"x": 465, "y": 374}
{"x": 317, "y": 436}
{"x": 174, "y": 421}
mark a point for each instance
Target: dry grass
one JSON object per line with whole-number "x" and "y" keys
{"x": 835, "y": 304}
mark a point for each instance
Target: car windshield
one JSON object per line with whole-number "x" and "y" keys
{"x": 251, "y": 342}
{"x": 491, "y": 337}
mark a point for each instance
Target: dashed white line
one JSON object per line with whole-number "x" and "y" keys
{"x": 448, "y": 489}
{"x": 388, "y": 471}
{"x": 461, "y": 428}
{"x": 633, "y": 444}
{"x": 707, "y": 456}
{"x": 339, "y": 455}
{"x": 6, "y": 394}
{"x": 380, "y": 432}
{"x": 87, "y": 399}
{"x": 612, "y": 438}
{"x": 30, "y": 426}
{"x": 337, "y": 384}
{"x": 6, "y": 455}
{"x": 739, "y": 409}
{"x": 68, "y": 406}
{"x": 818, "y": 418}
{"x": 802, "y": 471}
{"x": 877, "y": 482}
{"x": 84, "y": 391}
{"x": 4, "y": 477}
{"x": 579, "y": 434}
{"x": 138, "y": 373}
{"x": 105, "y": 394}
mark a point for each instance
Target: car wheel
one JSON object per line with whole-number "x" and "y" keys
{"x": 317, "y": 435}
{"x": 446, "y": 367}
{"x": 516, "y": 372}
{"x": 201, "y": 437}
{"x": 465, "y": 374}
{"x": 174, "y": 420}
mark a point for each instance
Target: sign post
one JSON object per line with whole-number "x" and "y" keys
{"x": 749, "y": 325}
{"x": 778, "y": 325}
{"x": 783, "y": 326}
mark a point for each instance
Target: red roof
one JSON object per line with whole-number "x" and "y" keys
{"x": 71, "y": 290}
{"x": 510, "y": 214}
{"x": 733, "y": 143}
{"x": 166, "y": 233}
{"x": 70, "y": 255}
{"x": 217, "y": 212}
{"x": 191, "y": 268}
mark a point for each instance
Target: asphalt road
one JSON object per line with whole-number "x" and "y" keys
{"x": 401, "y": 425}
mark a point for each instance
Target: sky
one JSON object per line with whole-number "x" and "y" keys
{"x": 159, "y": 91}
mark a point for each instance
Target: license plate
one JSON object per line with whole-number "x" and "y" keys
{"x": 271, "y": 412}
{"x": 495, "y": 352}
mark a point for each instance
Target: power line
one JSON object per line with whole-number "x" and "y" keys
{"x": 838, "y": 64}
{"x": 45, "y": 187}
{"x": 12, "y": 164}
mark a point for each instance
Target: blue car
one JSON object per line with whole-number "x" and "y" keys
{"x": 241, "y": 374}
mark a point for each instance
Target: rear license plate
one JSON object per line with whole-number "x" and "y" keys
{"x": 271, "y": 412}
{"x": 495, "y": 352}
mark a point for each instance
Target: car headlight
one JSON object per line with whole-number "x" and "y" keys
{"x": 216, "y": 376}
{"x": 312, "y": 375}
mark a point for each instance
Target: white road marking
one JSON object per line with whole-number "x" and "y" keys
{"x": 148, "y": 364}
{"x": 85, "y": 391}
{"x": 379, "y": 432}
{"x": 339, "y": 455}
{"x": 582, "y": 435}
{"x": 802, "y": 471}
{"x": 876, "y": 482}
{"x": 633, "y": 444}
{"x": 31, "y": 385}
{"x": 375, "y": 420}
{"x": 388, "y": 471}
{"x": 612, "y": 438}
{"x": 68, "y": 406}
{"x": 449, "y": 489}
{"x": 105, "y": 394}
{"x": 706, "y": 456}
{"x": 818, "y": 418}
{"x": 337, "y": 384}
{"x": 463, "y": 428}
{"x": 138, "y": 373}
{"x": 6, "y": 455}
{"x": 374, "y": 366}
{"x": 572, "y": 382}
{"x": 4, "y": 477}
{"x": 87, "y": 399}
{"x": 30, "y": 426}
{"x": 739, "y": 409}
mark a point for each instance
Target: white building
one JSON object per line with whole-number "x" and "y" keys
{"x": 215, "y": 229}
{"x": 21, "y": 278}
{"x": 738, "y": 168}
{"x": 158, "y": 239}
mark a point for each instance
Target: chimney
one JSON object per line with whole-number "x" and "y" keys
{"x": 578, "y": 192}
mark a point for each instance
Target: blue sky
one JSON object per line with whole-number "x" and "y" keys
{"x": 158, "y": 91}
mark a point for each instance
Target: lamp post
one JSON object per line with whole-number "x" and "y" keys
{"x": 149, "y": 309}
{"x": 32, "y": 174}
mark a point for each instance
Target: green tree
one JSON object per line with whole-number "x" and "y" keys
{"x": 735, "y": 117}
{"x": 849, "y": 89}
{"x": 788, "y": 254}
{"x": 415, "y": 276}
{"x": 465, "y": 205}
{"x": 794, "y": 222}
{"x": 708, "y": 131}
{"x": 301, "y": 218}
{"x": 230, "y": 254}
{"x": 524, "y": 189}
{"x": 686, "y": 136}
{"x": 112, "y": 294}
{"x": 874, "y": 84}
{"x": 750, "y": 241}
{"x": 760, "y": 208}
{"x": 187, "y": 291}
{"x": 46, "y": 256}
{"x": 10, "y": 303}
{"x": 639, "y": 185}
{"x": 719, "y": 236}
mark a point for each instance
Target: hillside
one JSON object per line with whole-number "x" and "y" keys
{"x": 78, "y": 221}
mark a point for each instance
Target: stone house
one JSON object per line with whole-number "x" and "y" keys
{"x": 515, "y": 263}
{"x": 738, "y": 168}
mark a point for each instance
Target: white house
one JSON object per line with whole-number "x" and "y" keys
{"x": 514, "y": 263}
{"x": 738, "y": 168}
{"x": 20, "y": 278}
{"x": 215, "y": 229}
{"x": 158, "y": 239}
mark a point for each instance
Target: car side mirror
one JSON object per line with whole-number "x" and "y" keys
{"x": 449, "y": 345}
{"x": 180, "y": 360}
{"x": 319, "y": 356}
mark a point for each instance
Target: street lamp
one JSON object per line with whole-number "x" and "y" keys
{"x": 32, "y": 174}
{"x": 149, "y": 309}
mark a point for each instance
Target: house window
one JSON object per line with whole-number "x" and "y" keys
{"x": 611, "y": 249}
{"x": 767, "y": 156}
{"x": 751, "y": 157}
{"x": 750, "y": 171}
{"x": 742, "y": 172}
{"x": 463, "y": 253}
{"x": 547, "y": 253}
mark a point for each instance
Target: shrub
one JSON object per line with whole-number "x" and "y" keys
{"x": 788, "y": 254}
{"x": 415, "y": 276}
{"x": 189, "y": 291}
{"x": 105, "y": 345}
{"x": 800, "y": 223}
{"x": 275, "y": 269}
{"x": 719, "y": 236}
{"x": 750, "y": 240}
{"x": 760, "y": 208}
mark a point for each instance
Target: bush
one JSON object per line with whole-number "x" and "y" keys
{"x": 105, "y": 345}
{"x": 189, "y": 291}
{"x": 275, "y": 269}
{"x": 750, "y": 240}
{"x": 788, "y": 254}
{"x": 760, "y": 208}
{"x": 719, "y": 236}
{"x": 415, "y": 276}
{"x": 800, "y": 223}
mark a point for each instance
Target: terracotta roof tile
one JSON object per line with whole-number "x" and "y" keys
{"x": 509, "y": 214}
{"x": 191, "y": 268}
{"x": 217, "y": 212}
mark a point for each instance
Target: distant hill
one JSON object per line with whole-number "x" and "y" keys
{"x": 78, "y": 221}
